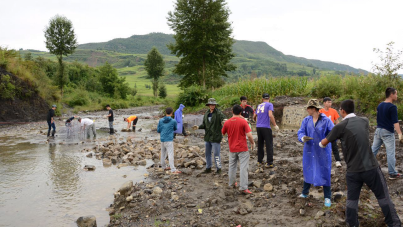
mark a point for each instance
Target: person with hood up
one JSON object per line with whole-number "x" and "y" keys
{"x": 180, "y": 125}
{"x": 316, "y": 161}
{"x": 166, "y": 128}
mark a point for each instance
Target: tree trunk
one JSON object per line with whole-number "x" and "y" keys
{"x": 203, "y": 74}
{"x": 61, "y": 74}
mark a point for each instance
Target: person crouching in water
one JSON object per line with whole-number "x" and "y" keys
{"x": 87, "y": 125}
{"x": 131, "y": 119}
{"x": 237, "y": 128}
{"x": 316, "y": 161}
{"x": 166, "y": 128}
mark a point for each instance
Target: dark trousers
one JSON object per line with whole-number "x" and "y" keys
{"x": 184, "y": 133}
{"x": 265, "y": 135}
{"x": 326, "y": 189}
{"x": 53, "y": 126}
{"x": 134, "y": 122}
{"x": 335, "y": 151}
{"x": 375, "y": 180}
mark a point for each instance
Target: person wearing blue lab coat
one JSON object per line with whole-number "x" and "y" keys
{"x": 180, "y": 124}
{"x": 316, "y": 160}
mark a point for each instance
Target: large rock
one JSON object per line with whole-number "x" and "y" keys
{"x": 157, "y": 190}
{"x": 89, "y": 167}
{"x": 86, "y": 221}
{"x": 126, "y": 187}
{"x": 268, "y": 187}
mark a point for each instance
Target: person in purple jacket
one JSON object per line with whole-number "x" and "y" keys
{"x": 180, "y": 124}
{"x": 264, "y": 116}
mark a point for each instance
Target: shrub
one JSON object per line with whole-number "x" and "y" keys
{"x": 193, "y": 96}
{"x": 162, "y": 91}
{"x": 80, "y": 98}
{"x": 328, "y": 86}
{"x": 7, "y": 89}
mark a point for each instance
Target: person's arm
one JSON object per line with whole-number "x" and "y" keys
{"x": 398, "y": 130}
{"x": 271, "y": 116}
{"x": 109, "y": 115}
{"x": 202, "y": 126}
{"x": 224, "y": 129}
{"x": 159, "y": 127}
{"x": 332, "y": 136}
{"x": 128, "y": 124}
{"x": 251, "y": 139}
{"x": 336, "y": 121}
{"x": 53, "y": 114}
{"x": 302, "y": 131}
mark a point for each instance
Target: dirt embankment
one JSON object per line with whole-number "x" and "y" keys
{"x": 26, "y": 106}
{"x": 196, "y": 199}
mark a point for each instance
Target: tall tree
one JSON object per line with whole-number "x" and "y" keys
{"x": 154, "y": 66}
{"x": 60, "y": 41}
{"x": 202, "y": 40}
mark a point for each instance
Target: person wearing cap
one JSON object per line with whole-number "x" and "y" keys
{"x": 110, "y": 117}
{"x": 87, "y": 125}
{"x": 51, "y": 121}
{"x": 362, "y": 166}
{"x": 333, "y": 115}
{"x": 247, "y": 109}
{"x": 264, "y": 116}
{"x": 131, "y": 119}
{"x": 179, "y": 118}
{"x": 316, "y": 161}
{"x": 387, "y": 122}
{"x": 212, "y": 123}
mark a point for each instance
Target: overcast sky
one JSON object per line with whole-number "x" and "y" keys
{"x": 342, "y": 31}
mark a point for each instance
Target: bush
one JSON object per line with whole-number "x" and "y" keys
{"x": 193, "y": 96}
{"x": 7, "y": 89}
{"x": 328, "y": 86}
{"x": 80, "y": 98}
{"x": 162, "y": 91}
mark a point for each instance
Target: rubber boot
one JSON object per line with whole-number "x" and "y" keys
{"x": 53, "y": 133}
{"x": 111, "y": 131}
{"x": 134, "y": 128}
{"x": 48, "y": 133}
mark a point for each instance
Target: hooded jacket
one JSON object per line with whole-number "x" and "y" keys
{"x": 178, "y": 118}
{"x": 166, "y": 128}
{"x": 213, "y": 129}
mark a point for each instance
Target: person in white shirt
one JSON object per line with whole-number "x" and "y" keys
{"x": 87, "y": 125}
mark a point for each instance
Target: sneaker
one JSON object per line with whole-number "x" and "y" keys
{"x": 338, "y": 164}
{"x": 303, "y": 196}
{"x": 269, "y": 165}
{"x": 327, "y": 202}
{"x": 259, "y": 164}
{"x": 219, "y": 171}
{"x": 234, "y": 185}
{"x": 246, "y": 192}
{"x": 395, "y": 176}
{"x": 176, "y": 172}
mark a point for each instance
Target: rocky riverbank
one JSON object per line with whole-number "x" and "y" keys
{"x": 196, "y": 199}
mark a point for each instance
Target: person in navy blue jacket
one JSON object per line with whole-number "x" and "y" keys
{"x": 166, "y": 127}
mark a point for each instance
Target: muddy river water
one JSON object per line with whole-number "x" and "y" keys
{"x": 44, "y": 184}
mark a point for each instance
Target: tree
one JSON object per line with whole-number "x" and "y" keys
{"x": 202, "y": 40}
{"x": 390, "y": 62}
{"x": 162, "y": 91}
{"x": 154, "y": 66}
{"x": 111, "y": 84}
{"x": 60, "y": 41}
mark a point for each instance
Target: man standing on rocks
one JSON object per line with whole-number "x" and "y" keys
{"x": 333, "y": 115}
{"x": 51, "y": 121}
{"x": 110, "y": 117}
{"x": 180, "y": 124}
{"x": 130, "y": 119}
{"x": 237, "y": 128}
{"x": 362, "y": 166}
{"x": 316, "y": 161}
{"x": 387, "y": 121}
{"x": 212, "y": 123}
{"x": 166, "y": 128}
{"x": 264, "y": 116}
{"x": 86, "y": 126}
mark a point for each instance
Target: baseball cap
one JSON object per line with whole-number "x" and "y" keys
{"x": 54, "y": 106}
{"x": 265, "y": 96}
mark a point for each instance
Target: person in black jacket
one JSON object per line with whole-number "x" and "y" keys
{"x": 110, "y": 117}
{"x": 51, "y": 121}
{"x": 362, "y": 166}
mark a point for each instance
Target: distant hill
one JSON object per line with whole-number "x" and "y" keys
{"x": 141, "y": 44}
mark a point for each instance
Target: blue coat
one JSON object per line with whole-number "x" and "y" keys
{"x": 316, "y": 160}
{"x": 178, "y": 118}
{"x": 166, "y": 128}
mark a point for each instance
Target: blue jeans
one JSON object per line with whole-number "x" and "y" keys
{"x": 51, "y": 125}
{"x": 326, "y": 189}
{"x": 384, "y": 136}
{"x": 216, "y": 153}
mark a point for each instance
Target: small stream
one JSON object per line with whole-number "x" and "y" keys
{"x": 44, "y": 184}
